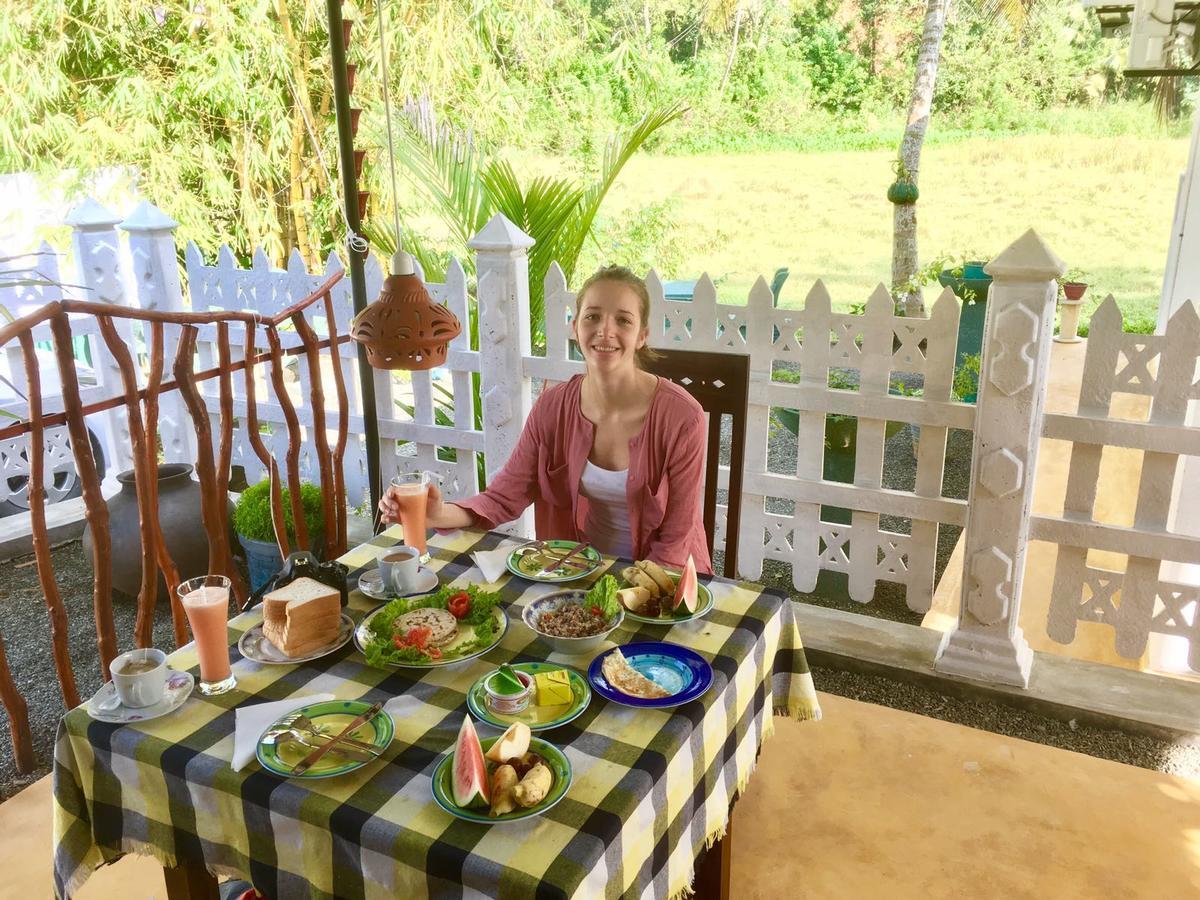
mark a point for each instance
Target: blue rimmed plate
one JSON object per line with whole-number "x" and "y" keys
{"x": 559, "y": 765}
{"x": 683, "y": 672}
{"x": 528, "y": 560}
{"x": 279, "y": 756}
{"x": 538, "y": 718}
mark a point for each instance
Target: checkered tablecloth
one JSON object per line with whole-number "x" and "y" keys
{"x": 651, "y": 787}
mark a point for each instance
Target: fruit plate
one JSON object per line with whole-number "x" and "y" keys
{"x": 557, "y": 761}
{"x": 279, "y": 758}
{"x": 538, "y": 718}
{"x": 253, "y": 645}
{"x": 704, "y": 606}
{"x": 529, "y": 559}
{"x": 362, "y": 636}
{"x": 682, "y": 671}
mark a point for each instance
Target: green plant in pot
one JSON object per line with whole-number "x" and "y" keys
{"x": 256, "y": 533}
{"x": 1073, "y": 285}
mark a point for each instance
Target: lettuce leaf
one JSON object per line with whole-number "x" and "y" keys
{"x": 603, "y": 596}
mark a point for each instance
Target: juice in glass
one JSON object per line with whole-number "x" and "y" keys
{"x": 206, "y": 602}
{"x": 411, "y": 491}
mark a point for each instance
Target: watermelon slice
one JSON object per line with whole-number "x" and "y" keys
{"x": 469, "y": 777}
{"x": 685, "y": 590}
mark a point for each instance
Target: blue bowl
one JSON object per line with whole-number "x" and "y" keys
{"x": 678, "y": 669}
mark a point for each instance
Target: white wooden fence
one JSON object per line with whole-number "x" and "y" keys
{"x": 1007, "y": 423}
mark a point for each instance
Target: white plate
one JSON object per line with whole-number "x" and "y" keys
{"x": 179, "y": 688}
{"x": 370, "y": 583}
{"x": 254, "y": 646}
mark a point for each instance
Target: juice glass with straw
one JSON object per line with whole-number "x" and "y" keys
{"x": 206, "y": 602}
{"x": 411, "y": 491}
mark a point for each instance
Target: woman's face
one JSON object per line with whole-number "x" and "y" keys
{"x": 609, "y": 327}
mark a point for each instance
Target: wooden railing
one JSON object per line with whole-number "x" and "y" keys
{"x": 212, "y": 466}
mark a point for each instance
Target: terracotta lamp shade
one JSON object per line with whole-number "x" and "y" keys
{"x": 404, "y": 328}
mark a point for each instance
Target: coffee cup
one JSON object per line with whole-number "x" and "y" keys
{"x": 399, "y": 568}
{"x": 140, "y": 677}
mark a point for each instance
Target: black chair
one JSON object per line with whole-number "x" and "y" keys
{"x": 720, "y": 382}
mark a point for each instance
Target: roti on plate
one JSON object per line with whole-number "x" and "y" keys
{"x": 441, "y": 623}
{"x": 628, "y": 680}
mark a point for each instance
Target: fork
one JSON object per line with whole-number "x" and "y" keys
{"x": 304, "y": 723}
{"x": 359, "y": 753}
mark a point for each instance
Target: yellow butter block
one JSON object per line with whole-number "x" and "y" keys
{"x": 553, "y": 688}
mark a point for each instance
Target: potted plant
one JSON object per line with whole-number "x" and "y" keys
{"x": 1073, "y": 287}
{"x": 965, "y": 386}
{"x": 256, "y": 533}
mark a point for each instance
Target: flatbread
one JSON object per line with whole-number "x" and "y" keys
{"x": 626, "y": 679}
{"x": 441, "y": 623}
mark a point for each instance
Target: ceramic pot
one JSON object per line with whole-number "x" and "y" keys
{"x": 179, "y": 517}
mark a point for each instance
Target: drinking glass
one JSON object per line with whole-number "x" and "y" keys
{"x": 206, "y": 601}
{"x": 411, "y": 494}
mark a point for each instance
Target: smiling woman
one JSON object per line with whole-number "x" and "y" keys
{"x": 613, "y": 457}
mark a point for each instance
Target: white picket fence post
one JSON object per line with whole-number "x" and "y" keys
{"x": 155, "y": 273}
{"x": 988, "y": 644}
{"x": 502, "y": 266}
{"x": 98, "y": 265}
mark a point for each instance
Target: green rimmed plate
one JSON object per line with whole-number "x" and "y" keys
{"x": 557, "y": 761}
{"x": 280, "y": 757}
{"x": 703, "y": 608}
{"x": 529, "y": 559}
{"x": 538, "y": 718}
{"x": 363, "y": 636}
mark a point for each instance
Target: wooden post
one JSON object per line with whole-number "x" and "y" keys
{"x": 988, "y": 644}
{"x": 502, "y": 264}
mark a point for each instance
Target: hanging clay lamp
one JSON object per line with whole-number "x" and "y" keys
{"x": 404, "y": 328}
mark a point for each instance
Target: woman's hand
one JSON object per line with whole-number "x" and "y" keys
{"x": 438, "y": 514}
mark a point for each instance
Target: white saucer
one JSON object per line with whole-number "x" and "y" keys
{"x": 254, "y": 646}
{"x": 371, "y": 584}
{"x": 179, "y": 688}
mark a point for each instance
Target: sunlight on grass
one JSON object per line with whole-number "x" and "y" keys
{"x": 1102, "y": 204}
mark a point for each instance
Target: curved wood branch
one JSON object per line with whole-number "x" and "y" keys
{"x": 256, "y": 441}
{"x": 339, "y": 450}
{"x": 18, "y": 716}
{"x": 293, "y": 427}
{"x": 320, "y": 437}
{"x": 36, "y": 493}
{"x": 15, "y": 430}
{"x": 225, "y": 454}
{"x": 165, "y": 563}
{"x": 212, "y": 505}
{"x": 142, "y": 475}
{"x": 93, "y": 499}
{"x": 277, "y": 517}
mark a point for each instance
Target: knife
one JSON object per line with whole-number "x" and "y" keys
{"x": 309, "y": 761}
{"x": 562, "y": 560}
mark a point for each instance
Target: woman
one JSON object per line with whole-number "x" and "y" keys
{"x": 614, "y": 457}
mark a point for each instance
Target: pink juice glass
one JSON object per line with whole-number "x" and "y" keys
{"x": 206, "y": 602}
{"x": 411, "y": 492}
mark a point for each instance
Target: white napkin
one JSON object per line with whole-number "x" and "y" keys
{"x": 491, "y": 562}
{"x": 251, "y": 721}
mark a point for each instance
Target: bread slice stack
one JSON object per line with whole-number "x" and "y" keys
{"x": 302, "y": 616}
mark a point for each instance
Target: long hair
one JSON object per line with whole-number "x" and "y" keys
{"x": 622, "y": 275}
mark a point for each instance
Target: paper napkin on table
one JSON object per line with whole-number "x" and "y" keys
{"x": 491, "y": 562}
{"x": 251, "y": 721}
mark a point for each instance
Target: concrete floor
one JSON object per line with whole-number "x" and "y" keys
{"x": 868, "y": 803}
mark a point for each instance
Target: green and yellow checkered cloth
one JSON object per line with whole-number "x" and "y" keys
{"x": 652, "y": 788}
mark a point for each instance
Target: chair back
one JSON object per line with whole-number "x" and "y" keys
{"x": 720, "y": 383}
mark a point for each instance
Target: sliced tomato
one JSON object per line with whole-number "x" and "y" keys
{"x": 434, "y": 653}
{"x": 418, "y": 636}
{"x": 398, "y": 642}
{"x": 459, "y": 605}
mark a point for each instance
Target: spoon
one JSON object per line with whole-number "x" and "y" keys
{"x": 355, "y": 753}
{"x": 304, "y": 723}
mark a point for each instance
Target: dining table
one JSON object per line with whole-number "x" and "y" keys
{"x": 647, "y": 813}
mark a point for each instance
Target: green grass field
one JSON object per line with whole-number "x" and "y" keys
{"x": 1102, "y": 204}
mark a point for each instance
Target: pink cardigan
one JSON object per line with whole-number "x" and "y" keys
{"x": 666, "y": 475}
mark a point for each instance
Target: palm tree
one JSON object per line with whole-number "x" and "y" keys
{"x": 465, "y": 187}
{"x": 905, "y": 262}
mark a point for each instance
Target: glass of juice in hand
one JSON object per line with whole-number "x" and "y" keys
{"x": 411, "y": 493}
{"x": 206, "y": 602}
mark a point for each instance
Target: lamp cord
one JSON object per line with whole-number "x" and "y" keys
{"x": 387, "y": 111}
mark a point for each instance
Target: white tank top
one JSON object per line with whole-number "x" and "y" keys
{"x": 607, "y": 523}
